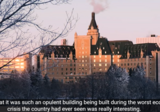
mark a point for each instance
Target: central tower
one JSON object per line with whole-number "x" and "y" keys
{"x": 93, "y": 30}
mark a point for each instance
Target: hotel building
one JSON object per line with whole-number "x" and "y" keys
{"x": 93, "y": 53}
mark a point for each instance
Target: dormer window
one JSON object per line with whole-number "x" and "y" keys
{"x": 103, "y": 47}
{"x": 94, "y": 52}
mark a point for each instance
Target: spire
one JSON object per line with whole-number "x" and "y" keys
{"x": 93, "y": 22}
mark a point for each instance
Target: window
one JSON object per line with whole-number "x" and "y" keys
{"x": 66, "y": 68}
{"x": 100, "y": 56}
{"x": 105, "y": 56}
{"x": 82, "y": 64}
{"x": 100, "y": 60}
{"x": 94, "y": 56}
{"x": 105, "y": 64}
{"x": 94, "y": 60}
{"x": 17, "y": 59}
{"x": 66, "y": 73}
{"x": 94, "y": 64}
{"x": 17, "y": 67}
{"x": 62, "y": 73}
{"x": 105, "y": 60}
{"x": 100, "y": 64}
{"x": 70, "y": 68}
{"x": 61, "y": 68}
{"x": 118, "y": 60}
{"x": 74, "y": 68}
{"x": 82, "y": 56}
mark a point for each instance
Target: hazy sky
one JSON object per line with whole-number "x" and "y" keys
{"x": 121, "y": 20}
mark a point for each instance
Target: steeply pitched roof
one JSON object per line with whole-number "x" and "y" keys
{"x": 59, "y": 51}
{"x": 135, "y": 50}
{"x": 118, "y": 46}
{"x": 93, "y": 22}
{"x": 103, "y": 44}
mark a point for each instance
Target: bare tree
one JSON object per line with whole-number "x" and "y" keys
{"x": 16, "y": 15}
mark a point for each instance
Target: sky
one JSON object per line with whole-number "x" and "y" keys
{"x": 120, "y": 19}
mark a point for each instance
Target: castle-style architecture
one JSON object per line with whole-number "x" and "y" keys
{"x": 93, "y": 53}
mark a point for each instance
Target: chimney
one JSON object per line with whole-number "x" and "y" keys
{"x": 63, "y": 42}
